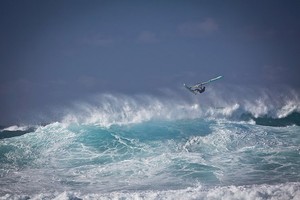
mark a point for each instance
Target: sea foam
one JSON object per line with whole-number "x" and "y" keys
{"x": 287, "y": 191}
{"x": 106, "y": 110}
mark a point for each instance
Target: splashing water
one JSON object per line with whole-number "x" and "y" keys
{"x": 148, "y": 148}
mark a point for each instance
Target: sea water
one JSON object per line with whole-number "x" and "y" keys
{"x": 148, "y": 148}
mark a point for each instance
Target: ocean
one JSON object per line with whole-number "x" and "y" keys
{"x": 143, "y": 147}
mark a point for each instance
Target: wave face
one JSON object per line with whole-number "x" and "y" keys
{"x": 148, "y": 148}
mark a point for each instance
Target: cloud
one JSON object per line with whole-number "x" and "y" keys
{"x": 147, "y": 37}
{"x": 87, "y": 81}
{"x": 198, "y": 29}
{"x": 99, "y": 40}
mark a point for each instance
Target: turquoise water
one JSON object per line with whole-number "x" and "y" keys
{"x": 152, "y": 152}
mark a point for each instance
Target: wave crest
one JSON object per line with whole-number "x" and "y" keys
{"x": 120, "y": 109}
{"x": 106, "y": 110}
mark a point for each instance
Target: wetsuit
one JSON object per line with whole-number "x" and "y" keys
{"x": 201, "y": 90}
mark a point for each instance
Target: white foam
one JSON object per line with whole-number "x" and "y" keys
{"x": 107, "y": 109}
{"x": 288, "y": 108}
{"x": 50, "y": 147}
{"x": 120, "y": 110}
{"x": 286, "y": 191}
{"x": 257, "y": 108}
{"x": 110, "y": 110}
{"x": 16, "y": 128}
{"x": 226, "y": 111}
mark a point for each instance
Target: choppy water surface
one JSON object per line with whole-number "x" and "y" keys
{"x": 128, "y": 151}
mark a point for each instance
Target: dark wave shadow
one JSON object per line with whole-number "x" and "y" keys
{"x": 289, "y": 120}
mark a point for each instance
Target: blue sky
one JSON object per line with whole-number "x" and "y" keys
{"x": 55, "y": 52}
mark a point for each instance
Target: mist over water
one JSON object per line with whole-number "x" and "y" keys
{"x": 146, "y": 147}
{"x": 225, "y": 102}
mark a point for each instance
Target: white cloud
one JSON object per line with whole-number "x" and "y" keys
{"x": 147, "y": 37}
{"x": 198, "y": 29}
{"x": 99, "y": 40}
{"x": 87, "y": 81}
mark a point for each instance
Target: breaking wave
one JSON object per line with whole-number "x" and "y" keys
{"x": 12, "y": 131}
{"x": 144, "y": 147}
{"x": 107, "y": 110}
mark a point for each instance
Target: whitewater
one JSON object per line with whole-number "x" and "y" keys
{"x": 145, "y": 147}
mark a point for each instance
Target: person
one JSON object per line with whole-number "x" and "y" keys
{"x": 201, "y": 89}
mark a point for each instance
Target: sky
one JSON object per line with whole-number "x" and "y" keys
{"x": 55, "y": 52}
